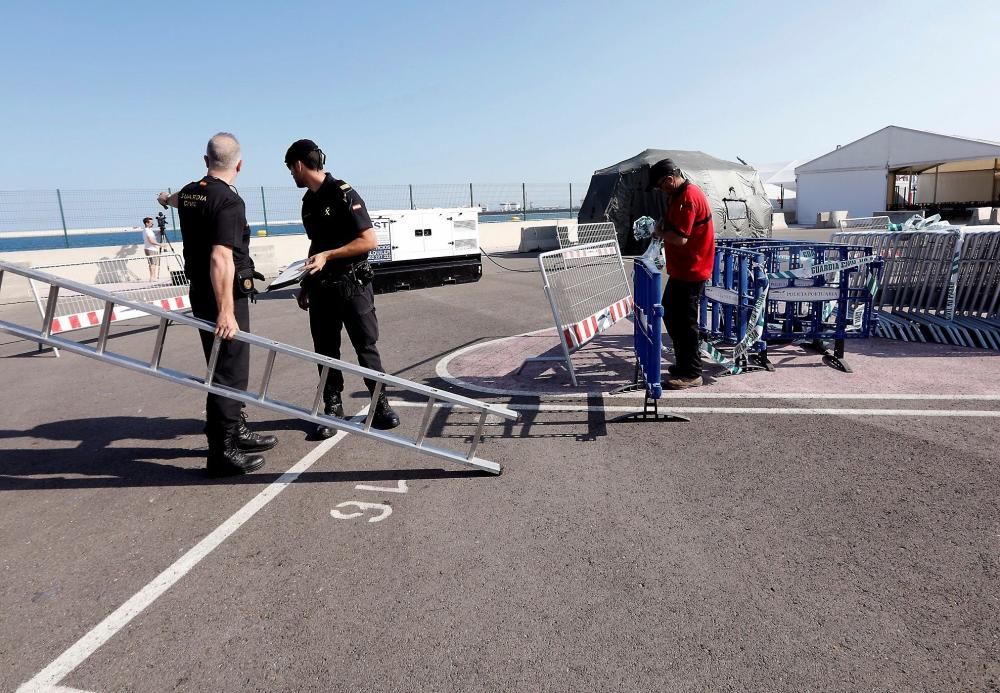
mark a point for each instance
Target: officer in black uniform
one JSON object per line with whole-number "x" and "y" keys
{"x": 218, "y": 264}
{"x": 337, "y": 292}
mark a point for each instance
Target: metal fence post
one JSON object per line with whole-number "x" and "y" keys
{"x": 263, "y": 204}
{"x": 471, "y": 202}
{"x": 524, "y": 201}
{"x": 411, "y": 197}
{"x": 173, "y": 222}
{"x": 571, "y": 199}
{"x": 62, "y": 215}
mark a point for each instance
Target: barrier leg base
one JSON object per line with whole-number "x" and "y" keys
{"x": 631, "y": 387}
{"x": 762, "y": 361}
{"x": 833, "y": 358}
{"x": 748, "y": 365}
{"x": 650, "y": 416}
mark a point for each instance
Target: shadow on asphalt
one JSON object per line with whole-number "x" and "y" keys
{"x": 96, "y": 461}
{"x": 592, "y": 422}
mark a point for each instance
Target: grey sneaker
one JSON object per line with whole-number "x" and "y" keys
{"x": 679, "y": 383}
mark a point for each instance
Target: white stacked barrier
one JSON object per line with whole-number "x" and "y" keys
{"x": 941, "y": 283}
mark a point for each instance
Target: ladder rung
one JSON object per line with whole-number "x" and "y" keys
{"x": 371, "y": 407}
{"x": 266, "y": 380}
{"x": 324, "y": 373}
{"x": 50, "y": 311}
{"x": 479, "y": 434}
{"x": 213, "y": 359}
{"x": 102, "y": 337}
{"x": 161, "y": 335}
{"x": 425, "y": 422}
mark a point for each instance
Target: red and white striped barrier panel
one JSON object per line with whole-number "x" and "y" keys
{"x": 93, "y": 318}
{"x": 578, "y": 334}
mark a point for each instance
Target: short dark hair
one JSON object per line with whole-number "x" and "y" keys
{"x": 145, "y": 219}
{"x": 660, "y": 170}
{"x": 308, "y": 152}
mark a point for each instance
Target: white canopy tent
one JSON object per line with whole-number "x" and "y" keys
{"x": 898, "y": 167}
{"x": 780, "y": 173}
{"x": 779, "y": 184}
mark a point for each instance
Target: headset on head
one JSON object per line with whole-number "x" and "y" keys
{"x": 316, "y": 158}
{"x": 313, "y": 158}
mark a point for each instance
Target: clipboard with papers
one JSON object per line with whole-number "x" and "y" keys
{"x": 292, "y": 274}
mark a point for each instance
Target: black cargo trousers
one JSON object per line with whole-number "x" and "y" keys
{"x": 681, "y": 303}
{"x": 232, "y": 369}
{"x": 329, "y": 313}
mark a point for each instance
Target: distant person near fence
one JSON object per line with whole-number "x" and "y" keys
{"x": 151, "y": 247}
{"x": 688, "y": 237}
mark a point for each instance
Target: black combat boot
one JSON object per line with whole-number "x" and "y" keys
{"x": 332, "y": 406}
{"x": 385, "y": 418}
{"x": 248, "y": 441}
{"x": 225, "y": 457}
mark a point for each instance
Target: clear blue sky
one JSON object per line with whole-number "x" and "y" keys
{"x": 125, "y": 94}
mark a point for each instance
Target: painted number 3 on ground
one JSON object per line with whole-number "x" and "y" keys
{"x": 375, "y": 512}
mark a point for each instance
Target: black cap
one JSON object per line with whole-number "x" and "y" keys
{"x": 301, "y": 151}
{"x": 659, "y": 171}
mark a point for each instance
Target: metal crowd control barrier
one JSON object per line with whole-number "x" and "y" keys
{"x": 647, "y": 276}
{"x": 822, "y": 292}
{"x": 111, "y": 302}
{"x": 157, "y": 279}
{"x": 648, "y": 281}
{"x": 815, "y": 293}
{"x": 941, "y": 285}
{"x": 588, "y": 293}
{"x": 581, "y": 234}
{"x": 977, "y": 286}
{"x": 864, "y": 224}
{"x": 732, "y": 305}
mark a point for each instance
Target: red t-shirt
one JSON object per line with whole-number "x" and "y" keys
{"x": 689, "y": 214}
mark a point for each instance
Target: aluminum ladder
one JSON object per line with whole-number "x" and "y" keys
{"x": 153, "y": 367}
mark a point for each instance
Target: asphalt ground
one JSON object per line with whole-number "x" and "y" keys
{"x": 814, "y": 549}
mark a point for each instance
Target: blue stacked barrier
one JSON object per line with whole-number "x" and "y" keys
{"x": 647, "y": 295}
{"x": 732, "y": 307}
{"x": 806, "y": 303}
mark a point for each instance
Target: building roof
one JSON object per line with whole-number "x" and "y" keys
{"x": 902, "y": 150}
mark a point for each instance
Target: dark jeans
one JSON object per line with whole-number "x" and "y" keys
{"x": 232, "y": 369}
{"x": 328, "y": 313}
{"x": 681, "y": 303}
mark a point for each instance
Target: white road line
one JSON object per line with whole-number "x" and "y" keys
{"x": 771, "y": 411}
{"x": 50, "y": 676}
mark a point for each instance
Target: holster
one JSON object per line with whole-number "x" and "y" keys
{"x": 343, "y": 283}
{"x": 244, "y": 285}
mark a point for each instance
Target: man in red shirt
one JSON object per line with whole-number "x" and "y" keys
{"x": 688, "y": 237}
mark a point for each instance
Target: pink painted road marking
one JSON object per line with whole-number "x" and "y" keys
{"x": 881, "y": 368}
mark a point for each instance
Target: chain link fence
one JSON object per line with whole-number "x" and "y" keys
{"x": 42, "y": 219}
